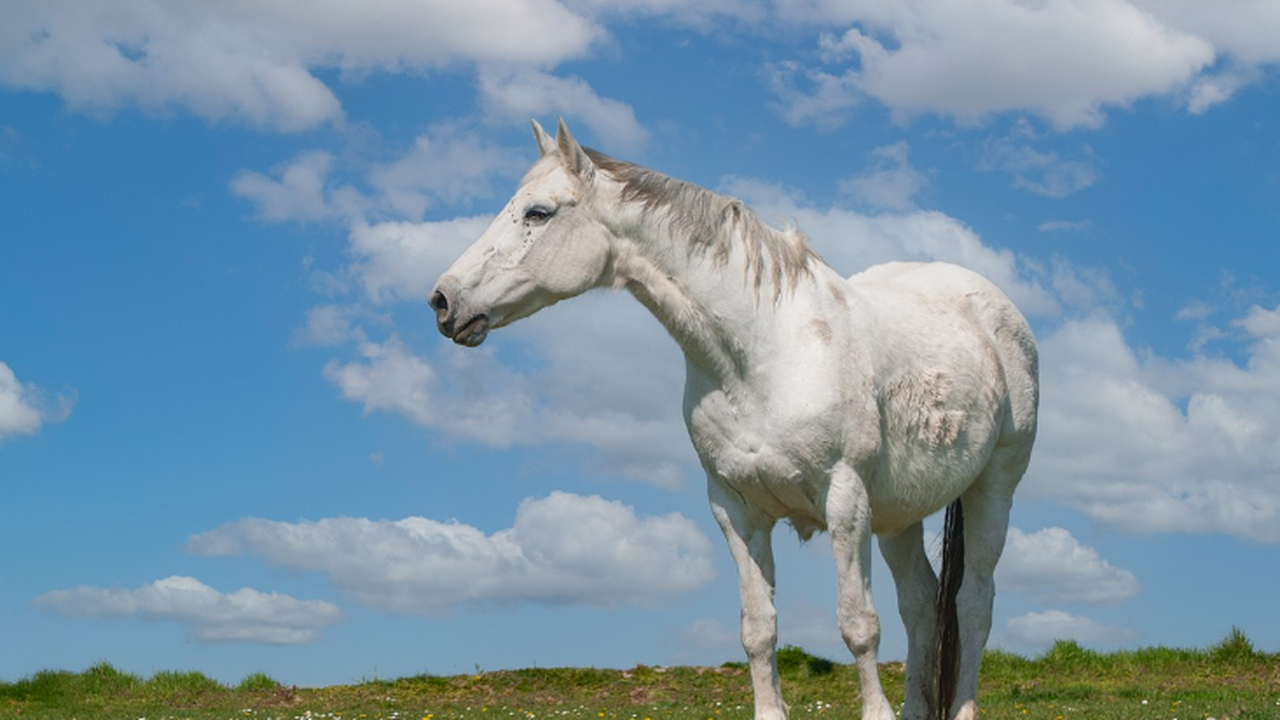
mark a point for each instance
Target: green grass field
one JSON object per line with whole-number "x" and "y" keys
{"x": 1229, "y": 680}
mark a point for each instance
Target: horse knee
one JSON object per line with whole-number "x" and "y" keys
{"x": 861, "y": 631}
{"x": 759, "y": 632}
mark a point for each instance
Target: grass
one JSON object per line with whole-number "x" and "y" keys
{"x": 1231, "y": 680}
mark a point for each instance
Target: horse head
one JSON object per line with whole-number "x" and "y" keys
{"x": 545, "y": 246}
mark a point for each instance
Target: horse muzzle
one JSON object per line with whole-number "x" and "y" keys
{"x": 470, "y": 330}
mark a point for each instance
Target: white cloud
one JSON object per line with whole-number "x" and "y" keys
{"x": 1071, "y": 226}
{"x": 399, "y": 261}
{"x": 24, "y": 408}
{"x": 891, "y": 183}
{"x": 300, "y": 194}
{"x": 18, "y": 416}
{"x": 562, "y": 549}
{"x": 390, "y": 378}
{"x": 1211, "y": 90}
{"x": 446, "y": 165}
{"x": 700, "y": 14}
{"x": 328, "y": 325}
{"x": 1083, "y": 289}
{"x": 812, "y": 95}
{"x": 254, "y": 61}
{"x": 510, "y": 96}
{"x": 245, "y": 615}
{"x": 1246, "y": 30}
{"x": 1052, "y": 567}
{"x": 1036, "y": 631}
{"x": 1064, "y": 60}
{"x": 1041, "y": 173}
{"x": 605, "y": 398}
{"x": 1148, "y": 444}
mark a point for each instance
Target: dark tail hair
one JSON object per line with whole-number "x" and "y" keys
{"x": 948, "y": 651}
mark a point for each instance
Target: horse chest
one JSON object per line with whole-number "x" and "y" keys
{"x": 777, "y": 461}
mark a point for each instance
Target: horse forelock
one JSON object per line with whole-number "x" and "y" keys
{"x": 712, "y": 224}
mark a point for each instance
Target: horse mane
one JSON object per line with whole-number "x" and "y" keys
{"x": 712, "y": 223}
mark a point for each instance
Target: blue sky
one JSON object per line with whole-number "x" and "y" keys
{"x": 231, "y": 439}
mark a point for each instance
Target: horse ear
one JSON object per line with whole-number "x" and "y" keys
{"x": 575, "y": 158}
{"x": 545, "y": 142}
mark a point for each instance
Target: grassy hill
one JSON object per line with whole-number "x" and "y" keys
{"x": 1229, "y": 680}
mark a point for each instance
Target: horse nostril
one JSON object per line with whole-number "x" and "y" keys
{"x": 439, "y": 302}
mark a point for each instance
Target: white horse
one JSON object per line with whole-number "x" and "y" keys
{"x": 856, "y": 406}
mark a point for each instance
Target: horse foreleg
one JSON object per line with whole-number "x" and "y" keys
{"x": 849, "y": 522}
{"x": 917, "y": 604}
{"x": 748, "y": 534}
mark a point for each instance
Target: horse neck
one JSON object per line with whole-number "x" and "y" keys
{"x": 721, "y": 304}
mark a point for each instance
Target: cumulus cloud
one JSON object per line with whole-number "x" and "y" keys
{"x": 1147, "y": 444}
{"x": 245, "y": 615}
{"x": 24, "y": 407}
{"x": 1052, "y": 567}
{"x": 1042, "y": 173}
{"x": 390, "y": 378}
{"x": 631, "y": 424}
{"x": 1036, "y": 631}
{"x": 1244, "y": 30}
{"x": 812, "y": 95}
{"x": 445, "y": 166}
{"x": 332, "y": 324}
{"x": 256, "y": 62}
{"x": 700, "y": 14}
{"x": 399, "y": 261}
{"x": 510, "y": 96}
{"x": 891, "y": 183}
{"x": 1063, "y": 60}
{"x": 562, "y": 549}
{"x": 300, "y": 194}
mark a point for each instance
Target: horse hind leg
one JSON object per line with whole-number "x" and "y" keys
{"x": 917, "y": 587}
{"x": 986, "y": 523}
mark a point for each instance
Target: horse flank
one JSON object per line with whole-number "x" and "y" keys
{"x": 712, "y": 223}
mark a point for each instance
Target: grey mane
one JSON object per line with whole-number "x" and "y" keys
{"x": 713, "y": 223}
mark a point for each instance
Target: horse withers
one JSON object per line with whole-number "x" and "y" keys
{"x": 857, "y": 406}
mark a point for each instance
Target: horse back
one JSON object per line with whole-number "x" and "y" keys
{"x": 929, "y": 310}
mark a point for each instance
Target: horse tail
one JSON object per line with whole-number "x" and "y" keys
{"x": 948, "y": 650}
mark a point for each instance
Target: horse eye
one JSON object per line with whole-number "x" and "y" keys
{"x": 538, "y": 214}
